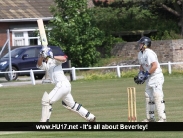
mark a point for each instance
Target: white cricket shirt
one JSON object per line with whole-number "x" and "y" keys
{"x": 147, "y": 57}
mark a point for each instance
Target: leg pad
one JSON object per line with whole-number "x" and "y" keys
{"x": 46, "y": 108}
{"x": 78, "y": 108}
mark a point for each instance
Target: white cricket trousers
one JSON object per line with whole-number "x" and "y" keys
{"x": 62, "y": 91}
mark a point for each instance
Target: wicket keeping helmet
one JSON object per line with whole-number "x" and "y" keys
{"x": 146, "y": 41}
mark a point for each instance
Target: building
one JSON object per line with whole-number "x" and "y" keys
{"x": 20, "y": 18}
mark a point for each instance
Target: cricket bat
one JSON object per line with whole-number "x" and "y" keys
{"x": 42, "y": 33}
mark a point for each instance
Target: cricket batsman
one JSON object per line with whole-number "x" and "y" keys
{"x": 151, "y": 73}
{"x": 62, "y": 90}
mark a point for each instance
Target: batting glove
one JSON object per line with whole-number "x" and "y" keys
{"x": 49, "y": 53}
{"x": 46, "y": 53}
{"x": 43, "y": 51}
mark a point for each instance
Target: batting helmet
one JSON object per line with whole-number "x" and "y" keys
{"x": 146, "y": 41}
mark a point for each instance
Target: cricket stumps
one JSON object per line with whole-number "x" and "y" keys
{"x": 132, "y": 113}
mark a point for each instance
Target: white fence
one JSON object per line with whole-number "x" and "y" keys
{"x": 73, "y": 69}
{"x": 118, "y": 68}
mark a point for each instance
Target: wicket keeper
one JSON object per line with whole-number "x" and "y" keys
{"x": 151, "y": 73}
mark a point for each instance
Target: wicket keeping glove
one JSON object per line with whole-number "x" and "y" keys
{"x": 139, "y": 79}
{"x": 146, "y": 75}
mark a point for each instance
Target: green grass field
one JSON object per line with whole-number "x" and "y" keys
{"x": 107, "y": 99}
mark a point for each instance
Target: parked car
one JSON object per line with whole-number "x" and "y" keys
{"x": 25, "y": 58}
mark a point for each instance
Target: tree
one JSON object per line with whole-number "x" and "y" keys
{"x": 75, "y": 32}
{"x": 170, "y": 8}
{"x": 175, "y": 7}
{"x": 128, "y": 15}
{"x": 120, "y": 17}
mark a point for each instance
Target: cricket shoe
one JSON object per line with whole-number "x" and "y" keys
{"x": 162, "y": 120}
{"x": 91, "y": 118}
{"x": 149, "y": 120}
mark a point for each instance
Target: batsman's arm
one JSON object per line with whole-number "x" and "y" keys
{"x": 61, "y": 58}
{"x": 40, "y": 60}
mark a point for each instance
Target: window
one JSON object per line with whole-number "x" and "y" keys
{"x": 32, "y": 38}
{"x": 30, "y": 52}
{"x": 25, "y": 37}
{"x": 19, "y": 34}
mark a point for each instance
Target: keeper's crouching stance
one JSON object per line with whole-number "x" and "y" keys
{"x": 62, "y": 90}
